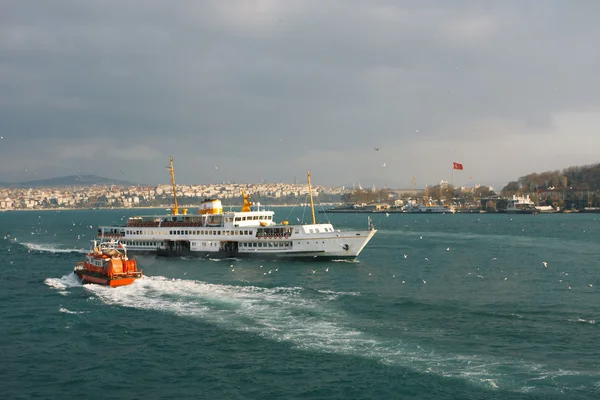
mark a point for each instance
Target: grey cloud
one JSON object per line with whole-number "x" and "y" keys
{"x": 267, "y": 89}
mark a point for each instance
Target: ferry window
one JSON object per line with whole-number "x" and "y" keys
{"x": 219, "y": 233}
{"x": 270, "y": 244}
{"x": 254, "y": 244}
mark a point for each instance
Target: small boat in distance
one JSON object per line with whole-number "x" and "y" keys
{"x": 107, "y": 264}
{"x": 521, "y": 205}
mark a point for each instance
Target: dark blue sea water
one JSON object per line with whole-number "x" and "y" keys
{"x": 436, "y": 307}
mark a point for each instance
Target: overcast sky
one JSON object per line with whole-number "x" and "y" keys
{"x": 252, "y": 90}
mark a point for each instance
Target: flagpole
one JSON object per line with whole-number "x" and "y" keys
{"x": 453, "y": 153}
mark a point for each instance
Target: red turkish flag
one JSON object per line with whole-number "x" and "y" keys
{"x": 457, "y": 165}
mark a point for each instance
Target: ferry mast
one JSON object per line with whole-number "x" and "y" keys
{"x": 172, "y": 171}
{"x": 312, "y": 205}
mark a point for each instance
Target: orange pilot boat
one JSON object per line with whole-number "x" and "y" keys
{"x": 107, "y": 264}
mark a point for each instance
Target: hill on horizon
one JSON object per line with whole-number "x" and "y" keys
{"x": 70, "y": 180}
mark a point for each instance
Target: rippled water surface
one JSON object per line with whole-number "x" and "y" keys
{"x": 463, "y": 306}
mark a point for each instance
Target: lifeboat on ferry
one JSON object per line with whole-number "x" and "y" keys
{"x": 107, "y": 264}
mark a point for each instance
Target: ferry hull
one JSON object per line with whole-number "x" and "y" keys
{"x": 292, "y": 256}
{"x": 324, "y": 245}
{"x": 524, "y": 211}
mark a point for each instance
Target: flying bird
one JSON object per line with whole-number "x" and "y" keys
{"x": 376, "y": 148}
{"x": 545, "y": 264}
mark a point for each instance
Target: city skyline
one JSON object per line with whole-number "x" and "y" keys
{"x": 246, "y": 91}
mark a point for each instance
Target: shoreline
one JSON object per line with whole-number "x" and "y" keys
{"x": 321, "y": 211}
{"x": 166, "y": 208}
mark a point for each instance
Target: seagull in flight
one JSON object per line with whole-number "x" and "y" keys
{"x": 545, "y": 264}
{"x": 376, "y": 148}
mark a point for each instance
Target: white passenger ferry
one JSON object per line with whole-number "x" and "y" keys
{"x": 251, "y": 232}
{"x": 521, "y": 205}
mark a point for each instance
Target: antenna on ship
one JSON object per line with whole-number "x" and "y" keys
{"x": 312, "y": 204}
{"x": 172, "y": 171}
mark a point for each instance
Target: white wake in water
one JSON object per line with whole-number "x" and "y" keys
{"x": 289, "y": 314}
{"x": 64, "y": 310}
{"x": 63, "y": 283}
{"x": 48, "y": 248}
